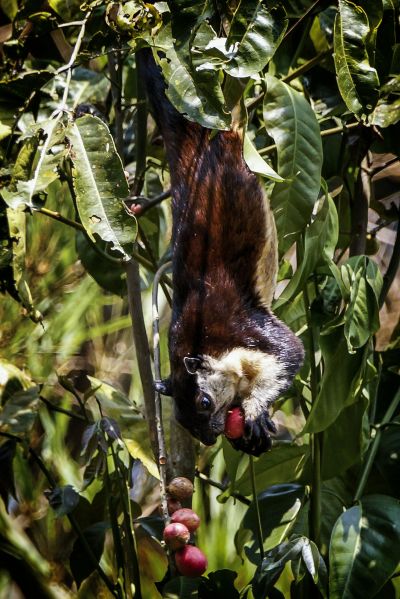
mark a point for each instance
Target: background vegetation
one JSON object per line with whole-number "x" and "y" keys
{"x": 314, "y": 86}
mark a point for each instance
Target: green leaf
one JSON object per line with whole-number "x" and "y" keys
{"x": 5, "y": 131}
{"x": 81, "y": 565}
{"x": 195, "y": 93}
{"x": 256, "y": 163}
{"x": 319, "y": 245}
{"x": 110, "y": 275}
{"x": 386, "y": 113}
{"x": 181, "y": 587}
{"x": 15, "y": 90}
{"x": 364, "y": 550}
{"x": 362, "y": 313}
{"x": 218, "y": 585}
{"x": 357, "y": 79}
{"x": 19, "y": 400}
{"x": 291, "y": 122}
{"x": 346, "y": 439}
{"x": 255, "y": 32}
{"x": 279, "y": 506}
{"x": 100, "y": 184}
{"x": 340, "y": 381}
{"x": 24, "y": 188}
{"x": 281, "y": 465}
{"x": 17, "y": 230}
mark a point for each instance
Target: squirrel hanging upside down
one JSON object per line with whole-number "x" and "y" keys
{"x": 226, "y": 347}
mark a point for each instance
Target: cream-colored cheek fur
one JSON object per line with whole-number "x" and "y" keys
{"x": 253, "y": 376}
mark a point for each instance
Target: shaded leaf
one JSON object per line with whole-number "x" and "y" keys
{"x": 319, "y": 245}
{"x": 279, "y": 506}
{"x": 100, "y": 184}
{"x": 291, "y": 122}
{"x": 181, "y": 587}
{"x": 63, "y": 500}
{"x": 365, "y": 548}
{"x": 283, "y": 464}
{"x": 342, "y": 372}
{"x": 219, "y": 585}
{"x": 81, "y": 565}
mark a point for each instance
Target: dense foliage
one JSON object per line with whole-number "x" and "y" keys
{"x": 314, "y": 87}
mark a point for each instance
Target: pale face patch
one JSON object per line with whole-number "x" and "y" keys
{"x": 250, "y": 376}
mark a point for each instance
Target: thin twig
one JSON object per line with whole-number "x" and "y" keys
{"x": 221, "y": 487}
{"x": 257, "y": 507}
{"x": 162, "y": 453}
{"x": 54, "y": 408}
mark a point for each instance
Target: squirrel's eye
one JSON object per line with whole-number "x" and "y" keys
{"x": 205, "y": 403}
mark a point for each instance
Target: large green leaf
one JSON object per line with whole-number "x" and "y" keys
{"x": 340, "y": 381}
{"x": 100, "y": 184}
{"x": 365, "y": 548}
{"x": 256, "y": 31}
{"x": 291, "y": 122}
{"x": 319, "y": 244}
{"x": 357, "y": 79}
{"x": 283, "y": 464}
{"x": 19, "y": 400}
{"x": 195, "y": 93}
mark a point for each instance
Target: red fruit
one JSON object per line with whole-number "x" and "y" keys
{"x": 136, "y": 208}
{"x": 173, "y": 505}
{"x": 234, "y": 424}
{"x": 180, "y": 487}
{"x": 187, "y": 517}
{"x": 190, "y": 561}
{"x": 176, "y": 535}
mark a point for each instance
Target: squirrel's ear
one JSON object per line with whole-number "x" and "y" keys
{"x": 192, "y": 365}
{"x": 164, "y": 387}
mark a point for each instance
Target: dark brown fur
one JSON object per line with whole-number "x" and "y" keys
{"x": 219, "y": 232}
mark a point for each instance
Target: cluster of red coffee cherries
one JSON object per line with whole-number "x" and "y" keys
{"x": 189, "y": 560}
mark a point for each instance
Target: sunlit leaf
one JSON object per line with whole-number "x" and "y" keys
{"x": 256, "y": 163}
{"x": 357, "y": 79}
{"x": 100, "y": 184}
{"x": 291, "y": 122}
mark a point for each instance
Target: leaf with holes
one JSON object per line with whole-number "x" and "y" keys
{"x": 291, "y": 122}
{"x": 100, "y": 184}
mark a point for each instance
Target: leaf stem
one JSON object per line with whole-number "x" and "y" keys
{"x": 375, "y": 446}
{"x": 54, "y": 408}
{"x": 257, "y": 507}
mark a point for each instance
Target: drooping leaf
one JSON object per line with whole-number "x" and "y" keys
{"x": 181, "y": 587}
{"x": 100, "y": 184}
{"x": 319, "y": 244}
{"x": 364, "y": 282}
{"x": 256, "y": 163}
{"x": 110, "y": 275}
{"x": 291, "y": 122}
{"x": 19, "y": 400}
{"x": 196, "y": 94}
{"x": 81, "y": 566}
{"x": 365, "y": 548}
{"x": 278, "y": 506}
{"x": 282, "y": 465}
{"x": 218, "y": 585}
{"x": 23, "y": 191}
{"x": 345, "y": 440}
{"x": 357, "y": 79}
{"x": 340, "y": 381}
{"x": 256, "y": 31}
